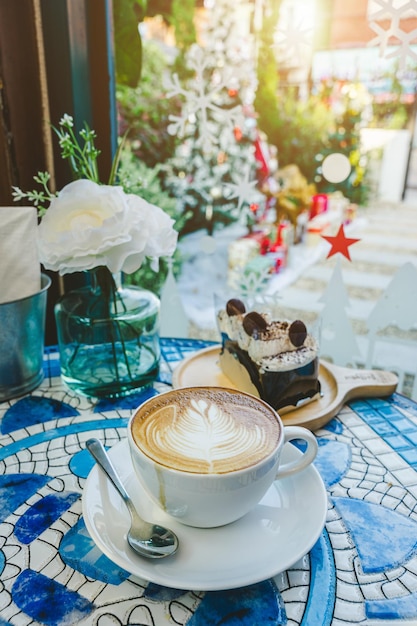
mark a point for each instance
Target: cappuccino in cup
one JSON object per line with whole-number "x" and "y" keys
{"x": 206, "y": 431}
{"x": 207, "y": 455}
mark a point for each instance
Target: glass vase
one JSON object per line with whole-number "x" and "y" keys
{"x": 108, "y": 337}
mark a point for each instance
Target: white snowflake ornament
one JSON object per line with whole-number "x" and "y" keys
{"x": 202, "y": 101}
{"x": 243, "y": 189}
{"x": 393, "y": 11}
{"x": 293, "y": 42}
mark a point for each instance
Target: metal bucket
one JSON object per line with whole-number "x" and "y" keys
{"x": 22, "y": 338}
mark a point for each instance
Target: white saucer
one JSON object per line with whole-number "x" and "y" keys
{"x": 281, "y": 529}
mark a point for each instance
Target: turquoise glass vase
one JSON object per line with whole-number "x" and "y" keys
{"x": 108, "y": 337}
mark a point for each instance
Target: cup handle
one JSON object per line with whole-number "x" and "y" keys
{"x": 298, "y": 432}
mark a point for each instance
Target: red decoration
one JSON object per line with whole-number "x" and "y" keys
{"x": 340, "y": 243}
{"x": 265, "y": 244}
{"x": 319, "y": 204}
{"x": 238, "y": 133}
{"x": 261, "y": 158}
{"x": 276, "y": 250}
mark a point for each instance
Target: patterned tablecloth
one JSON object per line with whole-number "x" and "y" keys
{"x": 362, "y": 570}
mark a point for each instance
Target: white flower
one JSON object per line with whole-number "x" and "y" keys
{"x": 66, "y": 120}
{"x": 161, "y": 235}
{"x": 89, "y": 225}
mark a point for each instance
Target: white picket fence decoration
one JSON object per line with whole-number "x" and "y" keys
{"x": 385, "y": 345}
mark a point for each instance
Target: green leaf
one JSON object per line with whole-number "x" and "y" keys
{"x": 128, "y": 44}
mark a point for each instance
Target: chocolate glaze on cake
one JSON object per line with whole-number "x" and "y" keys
{"x": 276, "y": 360}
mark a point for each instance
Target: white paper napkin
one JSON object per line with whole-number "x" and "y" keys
{"x": 20, "y": 270}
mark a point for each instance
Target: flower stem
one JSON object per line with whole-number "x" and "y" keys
{"x": 105, "y": 286}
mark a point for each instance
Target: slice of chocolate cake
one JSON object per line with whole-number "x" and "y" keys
{"x": 274, "y": 360}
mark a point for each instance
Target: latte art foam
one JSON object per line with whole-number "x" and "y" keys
{"x": 206, "y": 431}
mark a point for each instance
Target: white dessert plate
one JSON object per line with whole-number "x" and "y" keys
{"x": 338, "y": 385}
{"x": 280, "y": 530}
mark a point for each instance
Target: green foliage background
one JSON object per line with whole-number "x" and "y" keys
{"x": 127, "y": 42}
{"x": 305, "y": 131}
{"x": 144, "y": 110}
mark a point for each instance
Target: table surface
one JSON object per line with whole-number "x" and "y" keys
{"x": 362, "y": 570}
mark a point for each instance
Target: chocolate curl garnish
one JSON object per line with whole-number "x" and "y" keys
{"x": 235, "y": 307}
{"x": 297, "y": 333}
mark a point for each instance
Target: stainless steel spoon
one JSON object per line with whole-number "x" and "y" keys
{"x": 150, "y": 540}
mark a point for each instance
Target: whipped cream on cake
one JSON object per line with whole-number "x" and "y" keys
{"x": 275, "y": 360}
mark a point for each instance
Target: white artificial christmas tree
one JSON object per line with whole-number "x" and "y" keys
{"x": 396, "y": 307}
{"x": 213, "y": 172}
{"x": 337, "y": 340}
{"x": 174, "y": 321}
{"x": 398, "y": 303}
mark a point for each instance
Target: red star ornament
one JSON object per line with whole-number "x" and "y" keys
{"x": 340, "y": 243}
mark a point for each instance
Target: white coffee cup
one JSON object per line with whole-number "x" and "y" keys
{"x": 207, "y": 455}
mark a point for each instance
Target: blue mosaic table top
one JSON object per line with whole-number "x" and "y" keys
{"x": 362, "y": 570}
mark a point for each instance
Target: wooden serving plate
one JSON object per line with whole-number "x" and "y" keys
{"x": 338, "y": 385}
